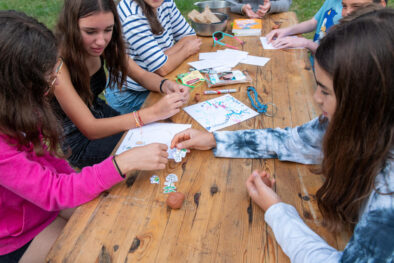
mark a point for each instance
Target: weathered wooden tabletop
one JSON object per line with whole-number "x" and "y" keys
{"x": 131, "y": 222}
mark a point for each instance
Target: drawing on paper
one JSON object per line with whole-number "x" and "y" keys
{"x": 152, "y": 133}
{"x": 220, "y": 112}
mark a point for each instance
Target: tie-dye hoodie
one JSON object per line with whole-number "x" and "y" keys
{"x": 373, "y": 237}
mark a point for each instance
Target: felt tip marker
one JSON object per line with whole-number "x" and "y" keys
{"x": 220, "y": 91}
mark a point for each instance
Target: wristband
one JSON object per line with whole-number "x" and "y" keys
{"x": 137, "y": 122}
{"x": 117, "y": 167}
{"x": 161, "y": 85}
{"x": 139, "y": 118}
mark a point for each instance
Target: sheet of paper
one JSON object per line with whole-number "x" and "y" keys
{"x": 220, "y": 112}
{"x": 269, "y": 46}
{"x": 254, "y": 60}
{"x": 207, "y": 55}
{"x": 152, "y": 133}
{"x": 205, "y": 64}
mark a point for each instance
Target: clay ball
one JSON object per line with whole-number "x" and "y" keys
{"x": 175, "y": 200}
{"x": 197, "y": 97}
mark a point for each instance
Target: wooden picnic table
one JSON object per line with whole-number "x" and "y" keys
{"x": 218, "y": 222}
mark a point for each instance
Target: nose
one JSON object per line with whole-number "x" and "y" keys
{"x": 316, "y": 96}
{"x": 100, "y": 40}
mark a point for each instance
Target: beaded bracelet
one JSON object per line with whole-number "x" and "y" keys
{"x": 137, "y": 123}
{"x": 139, "y": 118}
{"x": 161, "y": 85}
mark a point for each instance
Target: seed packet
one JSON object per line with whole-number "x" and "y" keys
{"x": 227, "y": 78}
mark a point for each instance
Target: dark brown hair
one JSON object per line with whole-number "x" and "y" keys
{"x": 28, "y": 54}
{"x": 359, "y": 56}
{"x": 73, "y": 53}
{"x": 150, "y": 14}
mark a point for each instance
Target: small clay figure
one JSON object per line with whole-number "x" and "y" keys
{"x": 175, "y": 200}
{"x": 197, "y": 97}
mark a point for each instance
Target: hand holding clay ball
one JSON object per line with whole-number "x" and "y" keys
{"x": 175, "y": 200}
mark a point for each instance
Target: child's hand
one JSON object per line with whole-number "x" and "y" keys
{"x": 173, "y": 87}
{"x": 168, "y": 106}
{"x": 290, "y": 42}
{"x": 264, "y": 9}
{"x": 260, "y": 186}
{"x": 192, "y": 46}
{"x": 247, "y": 10}
{"x": 150, "y": 157}
{"x": 276, "y": 34}
{"x": 193, "y": 139}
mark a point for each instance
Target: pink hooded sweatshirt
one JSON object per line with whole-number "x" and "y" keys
{"x": 33, "y": 189}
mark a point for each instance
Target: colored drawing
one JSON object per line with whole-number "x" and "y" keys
{"x": 220, "y": 112}
{"x": 152, "y": 133}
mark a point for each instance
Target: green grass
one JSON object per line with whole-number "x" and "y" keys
{"x": 46, "y": 11}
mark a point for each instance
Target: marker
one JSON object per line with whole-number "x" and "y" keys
{"x": 220, "y": 91}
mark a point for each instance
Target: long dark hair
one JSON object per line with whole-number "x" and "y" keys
{"x": 151, "y": 15}
{"x": 73, "y": 53}
{"x": 359, "y": 56}
{"x": 28, "y": 54}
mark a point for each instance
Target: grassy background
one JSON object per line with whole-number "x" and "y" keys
{"x": 46, "y": 11}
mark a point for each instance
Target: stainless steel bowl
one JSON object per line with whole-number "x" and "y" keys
{"x": 215, "y": 6}
{"x": 207, "y": 30}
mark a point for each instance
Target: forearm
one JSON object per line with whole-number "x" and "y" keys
{"x": 148, "y": 80}
{"x": 279, "y": 6}
{"x": 303, "y": 27}
{"x": 101, "y": 128}
{"x": 237, "y": 8}
{"x": 173, "y": 61}
{"x": 296, "y": 239}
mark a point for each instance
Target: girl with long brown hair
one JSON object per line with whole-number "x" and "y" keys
{"x": 36, "y": 186}
{"x": 89, "y": 35}
{"x": 159, "y": 39}
{"x": 353, "y": 140}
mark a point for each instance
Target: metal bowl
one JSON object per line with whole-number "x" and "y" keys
{"x": 206, "y": 30}
{"x": 215, "y": 6}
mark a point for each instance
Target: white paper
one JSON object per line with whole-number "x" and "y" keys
{"x": 205, "y": 64}
{"x": 220, "y": 112}
{"x": 152, "y": 133}
{"x": 254, "y": 60}
{"x": 269, "y": 46}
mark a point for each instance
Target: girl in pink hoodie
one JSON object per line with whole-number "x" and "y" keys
{"x": 35, "y": 182}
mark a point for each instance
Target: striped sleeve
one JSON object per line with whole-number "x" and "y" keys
{"x": 143, "y": 47}
{"x": 180, "y": 27}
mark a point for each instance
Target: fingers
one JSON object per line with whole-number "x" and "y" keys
{"x": 179, "y": 137}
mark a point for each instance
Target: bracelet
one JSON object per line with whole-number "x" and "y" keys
{"x": 137, "y": 123}
{"x": 161, "y": 85}
{"x": 117, "y": 167}
{"x": 139, "y": 118}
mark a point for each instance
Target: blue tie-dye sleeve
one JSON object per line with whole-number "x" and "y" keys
{"x": 301, "y": 144}
{"x": 373, "y": 239}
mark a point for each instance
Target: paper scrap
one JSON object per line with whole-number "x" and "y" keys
{"x": 155, "y": 179}
{"x": 254, "y": 60}
{"x": 152, "y": 133}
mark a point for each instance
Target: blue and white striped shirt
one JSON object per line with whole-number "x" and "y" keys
{"x": 147, "y": 49}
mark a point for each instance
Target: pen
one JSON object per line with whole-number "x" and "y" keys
{"x": 220, "y": 91}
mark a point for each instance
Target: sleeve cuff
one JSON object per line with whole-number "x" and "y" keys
{"x": 279, "y": 210}
{"x": 107, "y": 173}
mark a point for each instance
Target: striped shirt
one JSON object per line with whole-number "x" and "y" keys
{"x": 145, "y": 48}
